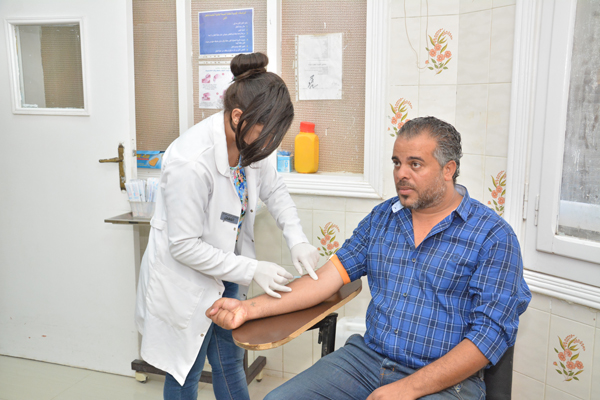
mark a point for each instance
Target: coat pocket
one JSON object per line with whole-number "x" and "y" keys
{"x": 171, "y": 297}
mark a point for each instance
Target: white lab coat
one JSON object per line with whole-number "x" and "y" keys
{"x": 192, "y": 242}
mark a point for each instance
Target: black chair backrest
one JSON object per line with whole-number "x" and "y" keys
{"x": 498, "y": 379}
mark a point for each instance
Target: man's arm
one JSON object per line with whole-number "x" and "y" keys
{"x": 306, "y": 292}
{"x": 457, "y": 365}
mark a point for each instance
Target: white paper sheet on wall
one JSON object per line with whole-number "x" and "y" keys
{"x": 214, "y": 80}
{"x": 320, "y": 67}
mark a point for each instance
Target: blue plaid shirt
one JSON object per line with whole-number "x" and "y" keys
{"x": 465, "y": 280}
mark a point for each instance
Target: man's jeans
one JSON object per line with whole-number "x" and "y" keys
{"x": 226, "y": 361}
{"x": 354, "y": 371}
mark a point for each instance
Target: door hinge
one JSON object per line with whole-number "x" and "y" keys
{"x": 525, "y": 201}
{"x": 537, "y": 208}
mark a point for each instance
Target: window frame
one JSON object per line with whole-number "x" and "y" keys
{"x": 370, "y": 183}
{"x": 14, "y": 69}
{"x": 540, "y": 89}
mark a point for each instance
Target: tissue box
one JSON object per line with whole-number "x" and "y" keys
{"x": 149, "y": 159}
{"x": 142, "y": 209}
{"x": 285, "y": 161}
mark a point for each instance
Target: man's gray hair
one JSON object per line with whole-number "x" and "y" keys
{"x": 447, "y": 137}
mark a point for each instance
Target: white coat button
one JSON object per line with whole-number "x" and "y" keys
{"x": 202, "y": 335}
{"x": 235, "y": 229}
{"x": 251, "y": 210}
{"x": 219, "y": 293}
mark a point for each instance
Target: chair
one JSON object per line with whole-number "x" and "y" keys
{"x": 498, "y": 379}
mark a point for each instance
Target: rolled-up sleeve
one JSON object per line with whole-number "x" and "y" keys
{"x": 499, "y": 294}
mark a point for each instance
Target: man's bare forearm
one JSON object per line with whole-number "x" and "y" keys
{"x": 457, "y": 365}
{"x": 305, "y": 293}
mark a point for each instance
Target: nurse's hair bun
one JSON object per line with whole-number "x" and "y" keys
{"x": 246, "y": 65}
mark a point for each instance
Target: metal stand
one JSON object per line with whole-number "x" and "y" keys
{"x": 254, "y": 371}
{"x": 327, "y": 333}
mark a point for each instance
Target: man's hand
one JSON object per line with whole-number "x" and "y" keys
{"x": 307, "y": 256}
{"x": 227, "y": 313}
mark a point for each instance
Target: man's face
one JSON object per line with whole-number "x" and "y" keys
{"x": 419, "y": 178}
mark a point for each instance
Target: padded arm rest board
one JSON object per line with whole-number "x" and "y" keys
{"x": 271, "y": 332}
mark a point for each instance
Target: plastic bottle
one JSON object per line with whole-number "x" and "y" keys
{"x": 306, "y": 152}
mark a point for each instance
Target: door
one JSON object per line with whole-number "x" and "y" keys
{"x": 67, "y": 278}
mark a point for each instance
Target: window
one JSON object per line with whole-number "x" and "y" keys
{"x": 369, "y": 183}
{"x": 47, "y": 67}
{"x": 555, "y": 133}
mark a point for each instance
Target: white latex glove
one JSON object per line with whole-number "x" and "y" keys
{"x": 271, "y": 276}
{"x": 307, "y": 256}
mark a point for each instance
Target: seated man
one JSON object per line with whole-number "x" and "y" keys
{"x": 445, "y": 274}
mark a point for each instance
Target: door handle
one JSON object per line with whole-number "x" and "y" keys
{"x": 120, "y": 159}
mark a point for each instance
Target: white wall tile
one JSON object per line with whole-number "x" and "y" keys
{"x": 297, "y": 354}
{"x": 501, "y": 50}
{"x": 322, "y": 218}
{"x": 303, "y": 201}
{"x": 329, "y": 203}
{"x": 397, "y": 7}
{"x": 474, "y": 47}
{"x": 267, "y": 238}
{"x": 596, "y": 365}
{"x": 306, "y": 217}
{"x": 467, "y": 6}
{"x": 532, "y": 344}
{"x": 498, "y": 115}
{"x": 397, "y": 95}
{"x": 525, "y": 388}
{"x": 493, "y": 167}
{"x": 429, "y": 29}
{"x": 575, "y": 312}
{"x": 540, "y": 302}
{"x": 502, "y": 3}
{"x": 274, "y": 357}
{"x": 471, "y": 175}
{"x": 402, "y": 69}
{"x": 471, "y": 117}
{"x": 362, "y": 205}
{"x": 554, "y": 394}
{"x": 561, "y": 327}
{"x": 438, "y": 101}
{"x": 440, "y": 7}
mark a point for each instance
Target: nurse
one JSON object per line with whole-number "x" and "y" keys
{"x": 201, "y": 243}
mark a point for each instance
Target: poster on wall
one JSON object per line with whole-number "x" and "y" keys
{"x": 320, "y": 67}
{"x": 226, "y": 33}
{"x": 213, "y": 81}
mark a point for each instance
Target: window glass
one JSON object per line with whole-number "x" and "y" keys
{"x": 579, "y": 214}
{"x": 50, "y": 70}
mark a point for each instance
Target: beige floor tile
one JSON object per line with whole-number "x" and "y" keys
{"x": 22, "y": 379}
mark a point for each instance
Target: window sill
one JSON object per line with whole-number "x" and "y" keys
{"x": 317, "y": 184}
{"x": 563, "y": 289}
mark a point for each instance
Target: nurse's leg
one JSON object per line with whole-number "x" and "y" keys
{"x": 226, "y": 360}
{"x": 189, "y": 391}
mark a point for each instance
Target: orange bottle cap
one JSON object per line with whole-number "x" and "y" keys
{"x": 307, "y": 127}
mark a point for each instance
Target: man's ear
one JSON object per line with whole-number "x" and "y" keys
{"x": 449, "y": 170}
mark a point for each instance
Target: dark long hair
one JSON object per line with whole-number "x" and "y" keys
{"x": 264, "y": 99}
